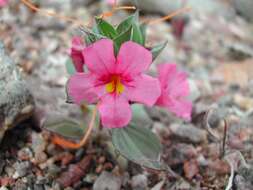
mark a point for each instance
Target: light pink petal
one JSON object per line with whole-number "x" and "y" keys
{"x": 174, "y": 81}
{"x": 174, "y": 88}
{"x": 133, "y": 59}
{"x": 3, "y": 3}
{"x": 166, "y": 72}
{"x": 115, "y": 111}
{"x": 182, "y": 108}
{"x": 144, "y": 89}
{"x": 111, "y": 2}
{"x": 83, "y": 87}
{"x": 163, "y": 99}
{"x": 99, "y": 57}
{"x": 76, "y": 53}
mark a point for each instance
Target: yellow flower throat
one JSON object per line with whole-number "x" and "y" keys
{"x": 115, "y": 86}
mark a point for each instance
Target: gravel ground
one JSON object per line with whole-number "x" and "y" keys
{"x": 216, "y": 52}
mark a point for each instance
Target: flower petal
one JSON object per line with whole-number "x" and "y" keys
{"x": 99, "y": 57}
{"x": 144, "y": 89}
{"x": 76, "y": 53}
{"x": 166, "y": 72}
{"x": 182, "y": 108}
{"x": 174, "y": 88}
{"x": 115, "y": 111}
{"x": 3, "y": 3}
{"x": 111, "y": 2}
{"x": 133, "y": 59}
{"x": 83, "y": 87}
{"x": 174, "y": 81}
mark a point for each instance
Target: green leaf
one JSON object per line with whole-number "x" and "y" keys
{"x": 70, "y": 67}
{"x": 140, "y": 116}
{"x": 136, "y": 35}
{"x": 95, "y": 29}
{"x": 64, "y": 127}
{"x": 105, "y": 28}
{"x": 156, "y": 50}
{"x": 128, "y": 22}
{"x": 91, "y": 36}
{"x": 89, "y": 39}
{"x": 143, "y": 28}
{"x": 122, "y": 161}
{"x": 119, "y": 40}
{"x": 139, "y": 145}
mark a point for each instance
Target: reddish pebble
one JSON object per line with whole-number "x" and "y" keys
{"x": 191, "y": 169}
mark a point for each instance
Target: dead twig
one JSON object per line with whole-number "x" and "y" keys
{"x": 221, "y": 140}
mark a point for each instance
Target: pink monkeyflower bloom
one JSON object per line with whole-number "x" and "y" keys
{"x": 115, "y": 82}
{"x": 111, "y": 2}
{"x": 76, "y": 53}
{"x": 174, "y": 88}
{"x": 3, "y": 3}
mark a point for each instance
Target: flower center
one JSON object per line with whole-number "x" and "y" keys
{"x": 115, "y": 85}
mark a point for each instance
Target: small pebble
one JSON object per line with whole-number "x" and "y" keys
{"x": 9, "y": 170}
{"x": 3, "y": 188}
{"x": 139, "y": 182}
{"x": 25, "y": 154}
{"x": 188, "y": 133}
{"x": 38, "y": 187}
{"x": 40, "y": 157}
{"x": 22, "y": 168}
{"x": 107, "y": 181}
{"x": 101, "y": 160}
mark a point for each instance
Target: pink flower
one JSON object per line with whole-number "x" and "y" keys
{"x": 115, "y": 82}
{"x": 111, "y": 2}
{"x": 3, "y": 3}
{"x": 76, "y": 53}
{"x": 175, "y": 88}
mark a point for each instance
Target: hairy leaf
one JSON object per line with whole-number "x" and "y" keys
{"x": 139, "y": 145}
{"x": 64, "y": 127}
{"x": 105, "y": 28}
{"x": 156, "y": 50}
{"x": 128, "y": 22}
{"x": 119, "y": 40}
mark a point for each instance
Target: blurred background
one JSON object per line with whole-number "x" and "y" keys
{"x": 213, "y": 43}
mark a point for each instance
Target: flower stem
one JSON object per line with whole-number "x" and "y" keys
{"x": 168, "y": 17}
{"x": 69, "y": 144}
{"x": 114, "y": 9}
{"x": 50, "y": 13}
{"x": 73, "y": 20}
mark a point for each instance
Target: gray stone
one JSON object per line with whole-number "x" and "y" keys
{"x": 245, "y": 175}
{"x": 38, "y": 187}
{"x": 20, "y": 185}
{"x": 9, "y": 171}
{"x": 216, "y": 7}
{"x": 139, "y": 182}
{"x": 188, "y": 133}
{"x": 38, "y": 143}
{"x": 107, "y": 181}
{"x": 178, "y": 153}
{"x": 65, "y": 4}
{"x": 241, "y": 183}
{"x": 245, "y": 8}
{"x": 22, "y": 168}
{"x": 182, "y": 184}
{"x": 16, "y": 101}
{"x": 3, "y": 188}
